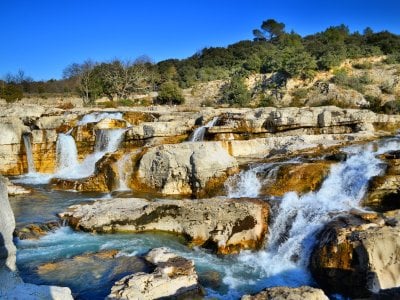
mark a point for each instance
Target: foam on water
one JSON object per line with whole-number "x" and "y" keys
{"x": 98, "y": 116}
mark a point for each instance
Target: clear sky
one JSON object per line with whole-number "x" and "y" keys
{"x": 42, "y": 37}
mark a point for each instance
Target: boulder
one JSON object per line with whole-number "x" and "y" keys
{"x": 35, "y": 231}
{"x": 12, "y": 287}
{"x": 173, "y": 276}
{"x": 223, "y": 225}
{"x": 357, "y": 256}
{"x": 287, "y": 293}
{"x": 300, "y": 178}
{"x": 384, "y": 190}
{"x": 185, "y": 169}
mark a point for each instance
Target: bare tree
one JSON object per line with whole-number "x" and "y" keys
{"x": 84, "y": 74}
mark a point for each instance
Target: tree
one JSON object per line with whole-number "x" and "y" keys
{"x": 170, "y": 93}
{"x": 270, "y": 29}
{"x": 84, "y": 75}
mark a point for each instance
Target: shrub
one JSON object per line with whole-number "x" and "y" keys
{"x": 126, "y": 102}
{"x": 363, "y": 66}
{"x": 170, "y": 93}
{"x": 110, "y": 104}
{"x": 299, "y": 94}
{"x": 387, "y": 88}
{"x": 235, "y": 93}
{"x": 375, "y": 103}
{"x": 11, "y": 92}
{"x": 392, "y": 107}
{"x": 266, "y": 101}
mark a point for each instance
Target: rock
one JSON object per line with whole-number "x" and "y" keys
{"x": 384, "y": 190}
{"x": 12, "y": 287}
{"x": 187, "y": 168}
{"x": 14, "y": 190}
{"x": 300, "y": 178}
{"x": 111, "y": 124}
{"x": 99, "y": 270}
{"x": 287, "y": 293}
{"x": 174, "y": 276}
{"x": 35, "y": 231}
{"x": 223, "y": 225}
{"x": 356, "y": 258}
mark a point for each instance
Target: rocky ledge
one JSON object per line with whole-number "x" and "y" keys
{"x": 223, "y": 225}
{"x": 173, "y": 276}
{"x": 287, "y": 293}
{"x": 358, "y": 255}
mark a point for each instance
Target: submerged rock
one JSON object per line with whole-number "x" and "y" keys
{"x": 173, "y": 276}
{"x": 99, "y": 271}
{"x": 287, "y": 293}
{"x": 35, "y": 231}
{"x": 187, "y": 168}
{"x": 356, "y": 257}
{"x": 223, "y": 225}
{"x": 14, "y": 190}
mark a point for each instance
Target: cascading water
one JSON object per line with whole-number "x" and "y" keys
{"x": 248, "y": 183}
{"x": 122, "y": 173}
{"x": 67, "y": 154}
{"x": 29, "y": 155}
{"x": 107, "y": 140}
{"x": 292, "y": 234}
{"x": 198, "y": 133}
{"x": 97, "y": 117}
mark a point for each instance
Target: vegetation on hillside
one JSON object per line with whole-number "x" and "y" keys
{"x": 285, "y": 55}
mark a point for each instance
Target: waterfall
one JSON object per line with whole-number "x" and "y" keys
{"x": 198, "y": 133}
{"x": 108, "y": 140}
{"x": 248, "y": 183}
{"x": 122, "y": 164}
{"x": 29, "y": 155}
{"x": 97, "y": 117}
{"x": 295, "y": 223}
{"x": 67, "y": 154}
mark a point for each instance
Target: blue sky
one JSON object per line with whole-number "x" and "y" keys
{"x": 42, "y": 37}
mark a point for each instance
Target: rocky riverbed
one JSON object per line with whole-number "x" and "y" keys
{"x": 225, "y": 203}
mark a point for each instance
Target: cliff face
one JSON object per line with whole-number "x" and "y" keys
{"x": 12, "y": 286}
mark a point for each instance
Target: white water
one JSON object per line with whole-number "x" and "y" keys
{"x": 107, "y": 140}
{"x": 67, "y": 153}
{"x": 29, "y": 155}
{"x": 122, "y": 164}
{"x": 248, "y": 183}
{"x": 97, "y": 117}
{"x": 284, "y": 260}
{"x": 198, "y": 133}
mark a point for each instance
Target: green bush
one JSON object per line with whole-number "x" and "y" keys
{"x": 375, "y": 103}
{"x": 386, "y": 87}
{"x": 235, "y": 93}
{"x": 392, "y": 107}
{"x": 266, "y": 101}
{"x": 363, "y": 66}
{"x": 170, "y": 93}
{"x": 11, "y": 92}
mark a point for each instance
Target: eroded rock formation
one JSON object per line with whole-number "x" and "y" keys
{"x": 223, "y": 225}
{"x": 173, "y": 276}
{"x": 358, "y": 255}
{"x": 287, "y": 293}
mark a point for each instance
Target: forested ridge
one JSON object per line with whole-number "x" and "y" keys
{"x": 273, "y": 50}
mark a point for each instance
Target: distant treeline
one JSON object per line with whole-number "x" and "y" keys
{"x": 273, "y": 50}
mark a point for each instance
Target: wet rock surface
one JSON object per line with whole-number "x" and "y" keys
{"x": 35, "y": 231}
{"x": 287, "y": 293}
{"x": 223, "y": 225}
{"x": 358, "y": 255}
{"x": 174, "y": 276}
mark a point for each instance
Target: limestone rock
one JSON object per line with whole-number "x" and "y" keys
{"x": 173, "y": 276}
{"x": 300, "y": 178}
{"x": 14, "y": 190}
{"x": 287, "y": 293}
{"x": 186, "y": 168}
{"x": 356, "y": 258}
{"x": 384, "y": 190}
{"x": 223, "y": 225}
{"x": 35, "y": 231}
{"x": 12, "y": 287}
